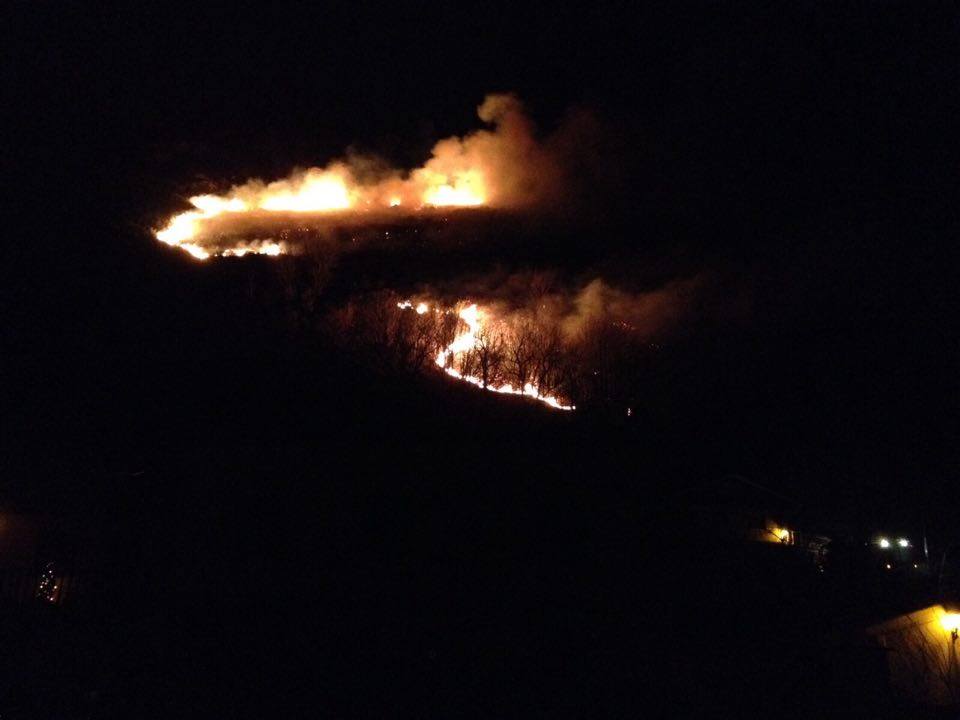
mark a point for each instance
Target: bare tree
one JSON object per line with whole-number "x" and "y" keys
{"x": 485, "y": 359}
{"x": 547, "y": 354}
{"x": 319, "y": 261}
{"x": 303, "y": 279}
{"x": 414, "y": 340}
{"x": 520, "y": 353}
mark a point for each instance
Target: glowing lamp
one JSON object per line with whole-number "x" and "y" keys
{"x": 903, "y": 542}
{"x": 884, "y": 543}
{"x": 950, "y": 621}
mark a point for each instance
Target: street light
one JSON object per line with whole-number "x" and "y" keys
{"x": 951, "y": 623}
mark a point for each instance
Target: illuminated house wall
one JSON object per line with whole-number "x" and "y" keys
{"x": 772, "y": 531}
{"x": 922, "y": 654}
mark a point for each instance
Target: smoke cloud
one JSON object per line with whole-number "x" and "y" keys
{"x": 577, "y": 307}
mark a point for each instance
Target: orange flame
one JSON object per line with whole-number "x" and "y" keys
{"x": 447, "y": 358}
{"x": 317, "y": 191}
{"x": 503, "y": 166}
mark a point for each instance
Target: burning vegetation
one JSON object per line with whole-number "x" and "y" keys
{"x": 502, "y": 167}
{"x": 562, "y": 348}
{"x": 529, "y": 334}
{"x": 494, "y": 355}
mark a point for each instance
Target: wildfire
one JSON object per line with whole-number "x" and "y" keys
{"x": 317, "y": 191}
{"x": 450, "y": 357}
{"x": 186, "y": 225}
{"x": 503, "y": 166}
{"x": 465, "y": 189}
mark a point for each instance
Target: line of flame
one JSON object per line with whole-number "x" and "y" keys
{"x": 318, "y": 191}
{"x": 472, "y": 316}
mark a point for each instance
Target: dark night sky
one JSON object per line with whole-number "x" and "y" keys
{"x": 815, "y": 138}
{"x": 717, "y": 99}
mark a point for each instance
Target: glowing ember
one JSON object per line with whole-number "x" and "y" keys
{"x": 469, "y": 340}
{"x": 267, "y": 247}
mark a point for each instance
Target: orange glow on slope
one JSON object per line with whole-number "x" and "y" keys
{"x": 447, "y": 196}
{"x": 500, "y": 166}
{"x": 186, "y": 225}
{"x": 316, "y": 191}
{"x": 463, "y": 189}
{"x": 449, "y": 358}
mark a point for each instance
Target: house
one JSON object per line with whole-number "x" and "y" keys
{"x": 921, "y": 654}
{"x": 735, "y": 507}
{"x": 29, "y": 569}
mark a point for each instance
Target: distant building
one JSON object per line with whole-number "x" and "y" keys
{"x": 921, "y": 653}
{"x": 737, "y": 508}
{"x": 28, "y": 569}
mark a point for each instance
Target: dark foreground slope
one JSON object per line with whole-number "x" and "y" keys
{"x": 265, "y": 526}
{"x": 401, "y": 556}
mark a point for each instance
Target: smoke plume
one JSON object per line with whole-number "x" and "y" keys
{"x": 505, "y": 165}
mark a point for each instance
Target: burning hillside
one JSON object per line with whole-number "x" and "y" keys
{"x": 502, "y": 167}
{"x": 562, "y": 347}
{"x": 480, "y": 346}
{"x": 557, "y": 342}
